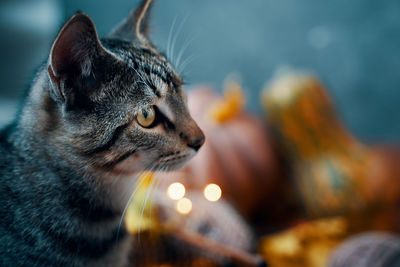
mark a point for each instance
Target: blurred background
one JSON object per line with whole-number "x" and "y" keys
{"x": 309, "y": 176}
{"x": 352, "y": 46}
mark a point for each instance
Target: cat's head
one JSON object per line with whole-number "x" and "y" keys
{"x": 120, "y": 102}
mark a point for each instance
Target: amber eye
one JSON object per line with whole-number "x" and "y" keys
{"x": 146, "y": 117}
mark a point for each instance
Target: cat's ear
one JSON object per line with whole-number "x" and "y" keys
{"x": 136, "y": 25}
{"x": 72, "y": 56}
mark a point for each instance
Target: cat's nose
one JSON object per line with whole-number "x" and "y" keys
{"x": 196, "y": 144}
{"x": 192, "y": 135}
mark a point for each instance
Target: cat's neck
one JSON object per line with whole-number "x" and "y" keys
{"x": 36, "y": 135}
{"x": 37, "y": 118}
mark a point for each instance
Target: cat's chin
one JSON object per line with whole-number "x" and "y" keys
{"x": 176, "y": 163}
{"x": 172, "y": 167}
{"x": 134, "y": 165}
{"x": 120, "y": 172}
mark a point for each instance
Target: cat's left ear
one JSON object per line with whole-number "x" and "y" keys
{"x": 136, "y": 25}
{"x": 73, "y": 57}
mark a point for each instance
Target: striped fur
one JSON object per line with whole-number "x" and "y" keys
{"x": 67, "y": 162}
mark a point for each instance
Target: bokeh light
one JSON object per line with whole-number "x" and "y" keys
{"x": 176, "y": 191}
{"x": 183, "y": 205}
{"x": 212, "y": 192}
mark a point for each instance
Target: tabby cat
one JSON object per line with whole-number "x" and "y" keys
{"x": 98, "y": 112}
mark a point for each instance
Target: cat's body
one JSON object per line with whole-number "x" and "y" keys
{"x": 97, "y": 113}
{"x": 49, "y": 215}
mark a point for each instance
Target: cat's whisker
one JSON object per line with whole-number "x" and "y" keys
{"x": 139, "y": 181}
{"x": 186, "y": 62}
{"x": 148, "y": 194}
{"x": 170, "y": 37}
{"x": 132, "y": 184}
{"x": 137, "y": 186}
{"x": 120, "y": 175}
{"x": 158, "y": 182}
{"x": 175, "y": 38}
{"x": 183, "y": 49}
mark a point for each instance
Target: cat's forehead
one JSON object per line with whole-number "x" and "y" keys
{"x": 150, "y": 65}
{"x": 146, "y": 76}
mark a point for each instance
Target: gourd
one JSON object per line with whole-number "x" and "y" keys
{"x": 335, "y": 173}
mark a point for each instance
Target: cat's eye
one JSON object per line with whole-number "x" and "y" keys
{"x": 146, "y": 117}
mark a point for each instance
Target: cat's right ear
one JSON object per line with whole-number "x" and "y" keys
{"x": 136, "y": 25}
{"x": 72, "y": 55}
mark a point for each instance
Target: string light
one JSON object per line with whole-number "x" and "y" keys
{"x": 212, "y": 192}
{"x": 183, "y": 205}
{"x": 176, "y": 191}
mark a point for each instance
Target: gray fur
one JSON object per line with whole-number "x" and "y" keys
{"x": 68, "y": 159}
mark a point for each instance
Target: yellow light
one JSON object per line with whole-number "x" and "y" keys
{"x": 183, "y": 205}
{"x": 212, "y": 192}
{"x": 176, "y": 191}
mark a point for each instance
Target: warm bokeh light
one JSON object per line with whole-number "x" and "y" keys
{"x": 183, "y": 205}
{"x": 176, "y": 191}
{"x": 212, "y": 192}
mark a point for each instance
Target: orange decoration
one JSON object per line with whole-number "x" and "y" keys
{"x": 334, "y": 172}
{"x": 230, "y": 106}
{"x": 307, "y": 244}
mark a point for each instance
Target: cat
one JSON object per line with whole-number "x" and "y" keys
{"x": 98, "y": 112}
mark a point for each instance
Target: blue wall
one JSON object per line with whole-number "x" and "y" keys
{"x": 353, "y": 46}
